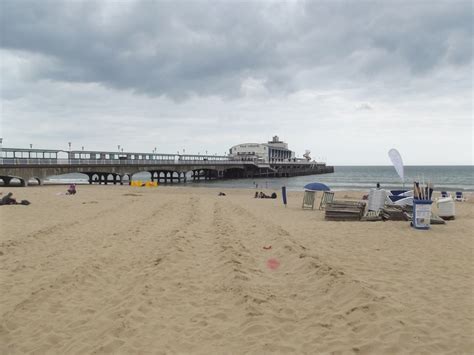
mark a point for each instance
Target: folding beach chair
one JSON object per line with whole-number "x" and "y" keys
{"x": 308, "y": 199}
{"x": 328, "y": 197}
{"x": 459, "y": 196}
{"x": 444, "y": 194}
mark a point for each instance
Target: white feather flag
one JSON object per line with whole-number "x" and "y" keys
{"x": 397, "y": 162}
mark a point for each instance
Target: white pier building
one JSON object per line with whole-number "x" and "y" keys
{"x": 271, "y": 152}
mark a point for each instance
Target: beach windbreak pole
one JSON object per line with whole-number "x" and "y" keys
{"x": 283, "y": 194}
{"x": 397, "y": 162}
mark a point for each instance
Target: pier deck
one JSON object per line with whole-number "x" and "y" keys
{"x": 117, "y": 168}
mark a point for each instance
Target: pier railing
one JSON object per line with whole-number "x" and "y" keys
{"x": 46, "y": 157}
{"x": 17, "y": 162}
{"x": 45, "y": 162}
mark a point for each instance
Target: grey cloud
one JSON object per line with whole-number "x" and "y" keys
{"x": 209, "y": 48}
{"x": 365, "y": 107}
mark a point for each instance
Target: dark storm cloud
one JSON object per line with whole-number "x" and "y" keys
{"x": 209, "y": 47}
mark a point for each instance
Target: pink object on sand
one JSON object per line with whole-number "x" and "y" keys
{"x": 273, "y": 263}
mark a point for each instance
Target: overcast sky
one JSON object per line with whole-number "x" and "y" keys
{"x": 347, "y": 80}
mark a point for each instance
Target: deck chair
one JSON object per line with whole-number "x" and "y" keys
{"x": 459, "y": 196}
{"x": 444, "y": 194}
{"x": 308, "y": 199}
{"x": 328, "y": 197}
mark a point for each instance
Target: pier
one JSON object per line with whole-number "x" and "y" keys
{"x": 102, "y": 167}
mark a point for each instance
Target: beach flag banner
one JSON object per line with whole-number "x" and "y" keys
{"x": 397, "y": 162}
{"x": 283, "y": 194}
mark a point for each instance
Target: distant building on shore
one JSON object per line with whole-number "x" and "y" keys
{"x": 271, "y": 152}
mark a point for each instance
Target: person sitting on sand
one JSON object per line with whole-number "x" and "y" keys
{"x": 9, "y": 200}
{"x": 71, "y": 190}
{"x": 274, "y": 195}
{"x": 256, "y": 194}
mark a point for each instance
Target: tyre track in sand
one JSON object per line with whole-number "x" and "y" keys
{"x": 95, "y": 272}
{"x": 303, "y": 293}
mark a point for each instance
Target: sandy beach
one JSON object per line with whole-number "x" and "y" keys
{"x": 117, "y": 269}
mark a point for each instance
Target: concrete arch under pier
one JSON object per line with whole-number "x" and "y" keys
{"x": 234, "y": 173}
{"x": 206, "y": 174}
{"x": 168, "y": 176}
{"x": 105, "y": 178}
{"x": 12, "y": 181}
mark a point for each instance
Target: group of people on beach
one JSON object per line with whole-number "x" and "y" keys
{"x": 8, "y": 199}
{"x": 264, "y": 195}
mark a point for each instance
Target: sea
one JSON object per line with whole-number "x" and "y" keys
{"x": 444, "y": 178}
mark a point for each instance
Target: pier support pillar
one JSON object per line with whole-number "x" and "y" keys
{"x": 6, "y": 180}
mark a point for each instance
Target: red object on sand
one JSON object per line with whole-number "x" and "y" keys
{"x": 267, "y": 248}
{"x": 273, "y": 263}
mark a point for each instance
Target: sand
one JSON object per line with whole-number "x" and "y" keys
{"x": 117, "y": 269}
